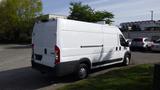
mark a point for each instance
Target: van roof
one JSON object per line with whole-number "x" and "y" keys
{"x": 82, "y": 26}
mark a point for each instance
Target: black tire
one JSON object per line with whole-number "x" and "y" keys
{"x": 126, "y": 60}
{"x": 82, "y": 71}
{"x": 132, "y": 49}
{"x": 148, "y": 48}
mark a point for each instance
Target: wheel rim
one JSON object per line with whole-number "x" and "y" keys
{"x": 127, "y": 60}
{"x": 82, "y": 73}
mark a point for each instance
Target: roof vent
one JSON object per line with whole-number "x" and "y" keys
{"x": 101, "y": 22}
{"x": 48, "y": 17}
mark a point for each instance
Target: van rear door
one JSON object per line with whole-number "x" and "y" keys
{"x": 44, "y": 41}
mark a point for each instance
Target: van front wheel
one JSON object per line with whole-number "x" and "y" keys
{"x": 82, "y": 71}
{"x": 126, "y": 60}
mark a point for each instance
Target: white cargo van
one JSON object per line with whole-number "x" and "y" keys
{"x": 67, "y": 46}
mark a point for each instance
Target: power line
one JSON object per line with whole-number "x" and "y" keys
{"x": 152, "y": 14}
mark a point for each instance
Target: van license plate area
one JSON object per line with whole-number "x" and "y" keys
{"x": 38, "y": 57}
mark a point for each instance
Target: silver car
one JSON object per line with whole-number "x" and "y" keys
{"x": 141, "y": 43}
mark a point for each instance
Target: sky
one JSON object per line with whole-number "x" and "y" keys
{"x": 124, "y": 10}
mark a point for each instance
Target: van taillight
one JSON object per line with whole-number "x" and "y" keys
{"x": 57, "y": 55}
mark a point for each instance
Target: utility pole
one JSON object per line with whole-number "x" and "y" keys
{"x": 152, "y": 15}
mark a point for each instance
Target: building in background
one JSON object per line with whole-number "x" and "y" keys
{"x": 149, "y": 25}
{"x": 150, "y": 29}
{"x": 51, "y": 16}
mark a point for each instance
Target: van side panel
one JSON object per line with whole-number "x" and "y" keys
{"x": 77, "y": 45}
{"x": 96, "y": 42}
{"x": 80, "y": 40}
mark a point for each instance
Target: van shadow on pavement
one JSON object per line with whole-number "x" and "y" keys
{"x": 27, "y": 78}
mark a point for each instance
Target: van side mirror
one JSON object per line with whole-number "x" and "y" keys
{"x": 125, "y": 44}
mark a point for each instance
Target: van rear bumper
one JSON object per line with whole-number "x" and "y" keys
{"x": 61, "y": 69}
{"x": 42, "y": 68}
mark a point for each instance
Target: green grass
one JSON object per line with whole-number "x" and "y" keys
{"x": 134, "y": 78}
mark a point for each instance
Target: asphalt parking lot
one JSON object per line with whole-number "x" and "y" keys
{"x": 16, "y": 71}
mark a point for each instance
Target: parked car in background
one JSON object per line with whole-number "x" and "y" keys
{"x": 156, "y": 46}
{"x": 141, "y": 43}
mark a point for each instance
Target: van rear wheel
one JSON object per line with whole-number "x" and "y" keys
{"x": 82, "y": 71}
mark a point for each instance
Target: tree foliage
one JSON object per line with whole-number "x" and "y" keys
{"x": 86, "y": 13}
{"x": 17, "y": 18}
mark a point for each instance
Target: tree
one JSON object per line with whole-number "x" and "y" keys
{"x": 86, "y": 13}
{"x": 17, "y": 17}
